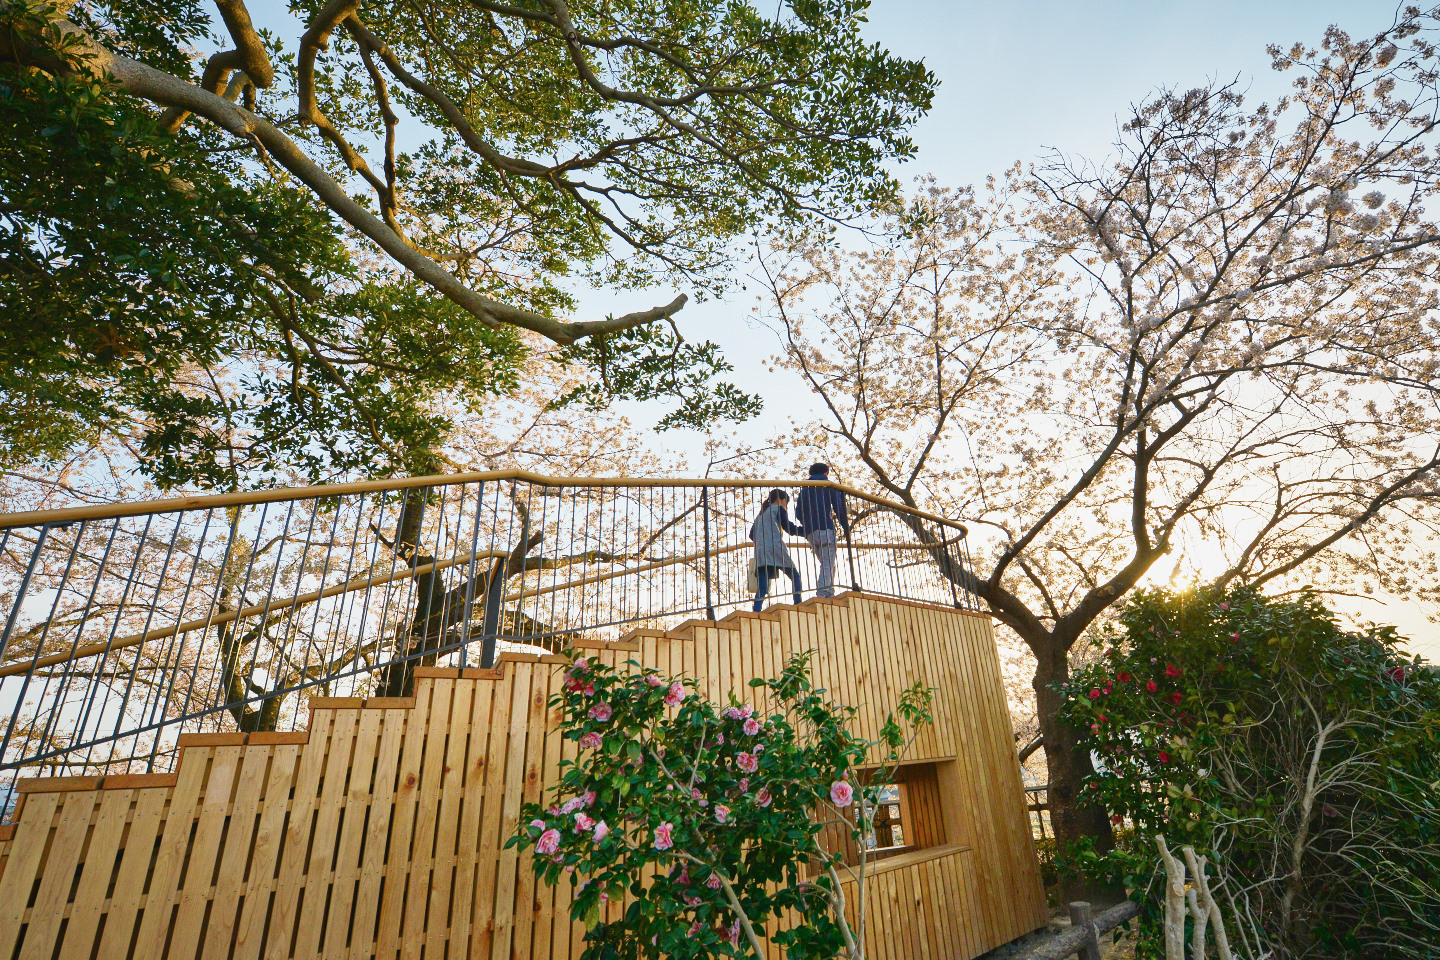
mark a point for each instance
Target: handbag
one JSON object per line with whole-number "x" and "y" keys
{"x": 753, "y": 578}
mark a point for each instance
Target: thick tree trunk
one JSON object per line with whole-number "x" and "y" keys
{"x": 1067, "y": 764}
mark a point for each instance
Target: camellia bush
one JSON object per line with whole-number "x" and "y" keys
{"x": 709, "y": 818}
{"x": 1303, "y": 756}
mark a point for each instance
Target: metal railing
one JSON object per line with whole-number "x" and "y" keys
{"x": 128, "y": 624}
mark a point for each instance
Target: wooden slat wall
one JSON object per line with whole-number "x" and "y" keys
{"x": 919, "y": 906}
{"x": 381, "y": 831}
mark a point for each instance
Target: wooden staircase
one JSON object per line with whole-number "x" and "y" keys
{"x": 380, "y": 831}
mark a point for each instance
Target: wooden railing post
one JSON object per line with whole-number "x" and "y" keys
{"x": 1082, "y": 918}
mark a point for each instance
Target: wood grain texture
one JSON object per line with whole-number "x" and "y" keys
{"x": 380, "y": 831}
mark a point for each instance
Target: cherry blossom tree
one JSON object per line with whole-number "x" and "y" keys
{"x": 1222, "y": 343}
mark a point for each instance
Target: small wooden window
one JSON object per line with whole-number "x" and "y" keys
{"x": 890, "y": 820}
{"x": 907, "y": 817}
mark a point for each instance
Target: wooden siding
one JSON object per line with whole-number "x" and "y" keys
{"x": 381, "y": 831}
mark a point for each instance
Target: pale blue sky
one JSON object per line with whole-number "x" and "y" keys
{"x": 1017, "y": 78}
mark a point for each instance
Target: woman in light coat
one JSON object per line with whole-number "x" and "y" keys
{"x": 771, "y": 555}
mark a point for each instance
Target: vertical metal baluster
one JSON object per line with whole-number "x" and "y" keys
{"x": 495, "y": 589}
{"x": 363, "y": 601}
{"x": 444, "y": 642}
{"x": 149, "y": 618}
{"x": 277, "y": 657}
{"x": 291, "y": 634}
{"x": 705, "y": 509}
{"x": 470, "y": 576}
{"x": 177, "y": 645}
{"x": 398, "y": 653}
{"x": 232, "y": 535}
{"x": 331, "y": 640}
{"x": 39, "y": 652}
{"x": 23, "y": 588}
{"x": 114, "y": 628}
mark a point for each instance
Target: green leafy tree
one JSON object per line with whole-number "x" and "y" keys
{"x": 710, "y": 818}
{"x": 162, "y": 214}
{"x": 1305, "y": 755}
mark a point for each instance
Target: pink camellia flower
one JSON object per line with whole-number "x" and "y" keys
{"x": 588, "y": 797}
{"x": 744, "y": 784}
{"x": 1234, "y": 637}
{"x": 714, "y": 882}
{"x": 601, "y": 712}
{"x": 580, "y": 666}
{"x": 763, "y": 798}
{"x": 841, "y": 793}
{"x": 1123, "y": 676}
{"x": 1171, "y": 670}
{"x": 584, "y": 823}
{"x": 691, "y": 900}
{"x": 759, "y": 748}
{"x": 654, "y": 679}
{"x": 694, "y": 929}
{"x": 747, "y": 762}
{"x": 730, "y": 713}
{"x": 553, "y": 809}
{"x": 663, "y": 840}
{"x": 591, "y": 741}
{"x": 601, "y": 831}
{"x": 548, "y": 843}
{"x": 745, "y": 711}
{"x": 1163, "y": 756}
{"x": 695, "y": 793}
{"x": 538, "y": 825}
{"x": 752, "y": 727}
{"x": 722, "y": 813}
{"x": 1150, "y": 686}
{"x": 676, "y": 694}
{"x": 1397, "y": 674}
{"x": 1176, "y": 697}
{"x": 1095, "y": 694}
{"x": 571, "y": 805}
{"x": 1224, "y": 606}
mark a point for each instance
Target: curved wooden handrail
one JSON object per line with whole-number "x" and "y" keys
{"x": 106, "y": 511}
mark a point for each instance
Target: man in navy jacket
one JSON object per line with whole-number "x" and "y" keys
{"x": 818, "y": 509}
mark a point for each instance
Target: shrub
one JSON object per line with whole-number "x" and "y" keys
{"x": 709, "y": 819}
{"x": 1304, "y": 755}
